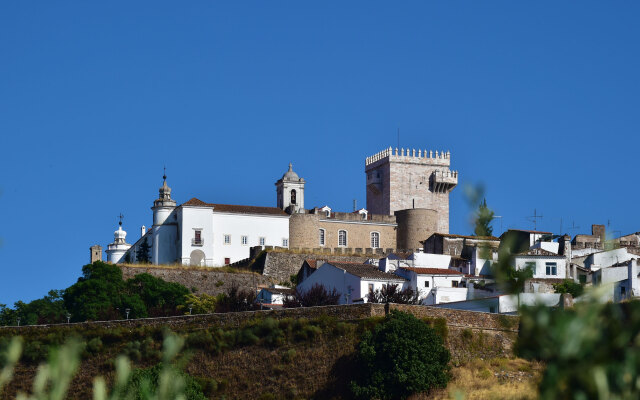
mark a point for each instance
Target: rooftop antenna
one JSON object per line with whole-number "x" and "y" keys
{"x": 355, "y": 205}
{"x": 398, "y": 137}
{"x": 534, "y": 218}
{"x": 573, "y": 226}
{"x": 121, "y": 218}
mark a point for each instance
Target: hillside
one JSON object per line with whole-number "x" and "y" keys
{"x": 298, "y": 353}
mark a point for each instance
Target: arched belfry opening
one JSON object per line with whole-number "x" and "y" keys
{"x": 293, "y": 196}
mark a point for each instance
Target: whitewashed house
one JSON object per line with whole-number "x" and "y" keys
{"x": 620, "y": 281}
{"x": 352, "y": 281}
{"x": 603, "y": 259}
{"x": 504, "y": 304}
{"x": 273, "y": 296}
{"x": 545, "y": 264}
{"x": 435, "y": 285}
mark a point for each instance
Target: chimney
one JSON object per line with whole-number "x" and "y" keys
{"x": 566, "y": 251}
{"x": 143, "y": 230}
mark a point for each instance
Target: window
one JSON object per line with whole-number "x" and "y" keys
{"x": 552, "y": 268}
{"x": 244, "y": 240}
{"x": 262, "y": 241}
{"x": 321, "y": 236}
{"x": 371, "y": 287}
{"x": 375, "y": 240}
{"x": 285, "y": 242}
{"x": 454, "y": 283}
{"x": 227, "y": 239}
{"x": 328, "y": 212}
{"x": 492, "y": 310}
{"x": 342, "y": 238}
{"x": 227, "y": 261}
{"x": 293, "y": 196}
{"x": 426, "y": 283}
{"x": 197, "y": 238}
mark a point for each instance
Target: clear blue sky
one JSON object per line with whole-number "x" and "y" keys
{"x": 538, "y": 101}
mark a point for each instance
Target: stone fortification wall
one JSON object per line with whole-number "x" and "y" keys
{"x": 279, "y": 265}
{"x": 415, "y": 225}
{"x": 351, "y": 312}
{"x": 203, "y": 279}
{"x": 304, "y": 230}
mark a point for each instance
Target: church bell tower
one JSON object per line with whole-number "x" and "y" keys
{"x": 290, "y": 190}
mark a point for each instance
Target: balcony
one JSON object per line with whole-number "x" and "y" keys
{"x": 443, "y": 181}
{"x": 197, "y": 241}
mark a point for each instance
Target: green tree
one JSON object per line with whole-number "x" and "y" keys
{"x": 142, "y": 253}
{"x": 400, "y": 357}
{"x": 160, "y": 298}
{"x": 568, "y": 286}
{"x": 483, "y": 217}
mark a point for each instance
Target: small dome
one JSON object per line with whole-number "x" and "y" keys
{"x": 119, "y": 234}
{"x": 290, "y": 175}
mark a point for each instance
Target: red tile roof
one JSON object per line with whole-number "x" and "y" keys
{"x": 236, "y": 208}
{"x": 432, "y": 271}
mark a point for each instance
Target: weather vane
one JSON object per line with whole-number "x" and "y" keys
{"x": 121, "y": 217}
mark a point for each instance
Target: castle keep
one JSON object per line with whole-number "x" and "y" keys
{"x": 410, "y": 179}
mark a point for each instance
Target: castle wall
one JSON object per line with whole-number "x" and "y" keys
{"x": 304, "y": 230}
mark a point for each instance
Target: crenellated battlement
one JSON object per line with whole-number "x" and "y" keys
{"x": 417, "y": 155}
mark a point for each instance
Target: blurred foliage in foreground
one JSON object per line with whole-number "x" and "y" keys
{"x": 591, "y": 351}
{"x": 164, "y": 381}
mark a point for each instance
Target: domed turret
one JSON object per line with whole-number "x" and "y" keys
{"x": 117, "y": 249}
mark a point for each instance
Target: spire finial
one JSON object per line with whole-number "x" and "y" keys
{"x": 164, "y": 175}
{"x": 121, "y": 217}
{"x": 290, "y": 167}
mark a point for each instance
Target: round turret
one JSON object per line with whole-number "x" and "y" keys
{"x": 163, "y": 206}
{"x": 415, "y": 225}
{"x": 117, "y": 249}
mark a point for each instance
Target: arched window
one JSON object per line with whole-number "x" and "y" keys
{"x": 342, "y": 238}
{"x": 293, "y": 196}
{"x": 321, "y": 237}
{"x": 375, "y": 240}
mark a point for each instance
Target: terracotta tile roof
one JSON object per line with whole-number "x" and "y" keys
{"x": 433, "y": 271}
{"x": 235, "y": 208}
{"x": 539, "y": 253}
{"x": 527, "y": 231}
{"x": 312, "y": 262}
{"x": 366, "y": 271}
{"x": 450, "y": 235}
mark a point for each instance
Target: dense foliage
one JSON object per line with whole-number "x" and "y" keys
{"x": 100, "y": 294}
{"x": 575, "y": 289}
{"x": 144, "y": 383}
{"x": 401, "y": 356}
{"x": 317, "y": 295}
{"x": 392, "y": 294}
{"x": 591, "y": 351}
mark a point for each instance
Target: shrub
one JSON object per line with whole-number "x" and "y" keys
{"x": 391, "y": 294}
{"x": 401, "y": 356}
{"x": 317, "y": 295}
{"x": 141, "y": 380}
{"x": 94, "y": 346}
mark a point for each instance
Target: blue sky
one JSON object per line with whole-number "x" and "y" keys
{"x": 537, "y": 101}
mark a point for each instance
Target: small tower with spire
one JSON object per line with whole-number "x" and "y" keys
{"x": 163, "y": 205}
{"x": 117, "y": 249}
{"x": 290, "y": 192}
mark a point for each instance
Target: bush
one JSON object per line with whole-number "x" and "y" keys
{"x": 141, "y": 380}
{"x": 317, "y": 295}
{"x": 401, "y": 356}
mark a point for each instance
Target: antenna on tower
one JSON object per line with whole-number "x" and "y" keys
{"x": 355, "y": 205}
{"x": 398, "y": 137}
{"x": 534, "y": 218}
{"x": 121, "y": 218}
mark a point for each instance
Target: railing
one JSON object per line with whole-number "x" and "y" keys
{"x": 197, "y": 242}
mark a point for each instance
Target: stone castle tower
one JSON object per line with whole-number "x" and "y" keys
{"x": 410, "y": 179}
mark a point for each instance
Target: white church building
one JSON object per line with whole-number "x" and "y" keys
{"x": 208, "y": 234}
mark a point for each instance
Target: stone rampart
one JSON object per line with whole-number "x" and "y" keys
{"x": 203, "y": 279}
{"x": 279, "y": 265}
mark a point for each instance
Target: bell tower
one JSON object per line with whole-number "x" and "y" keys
{"x": 290, "y": 192}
